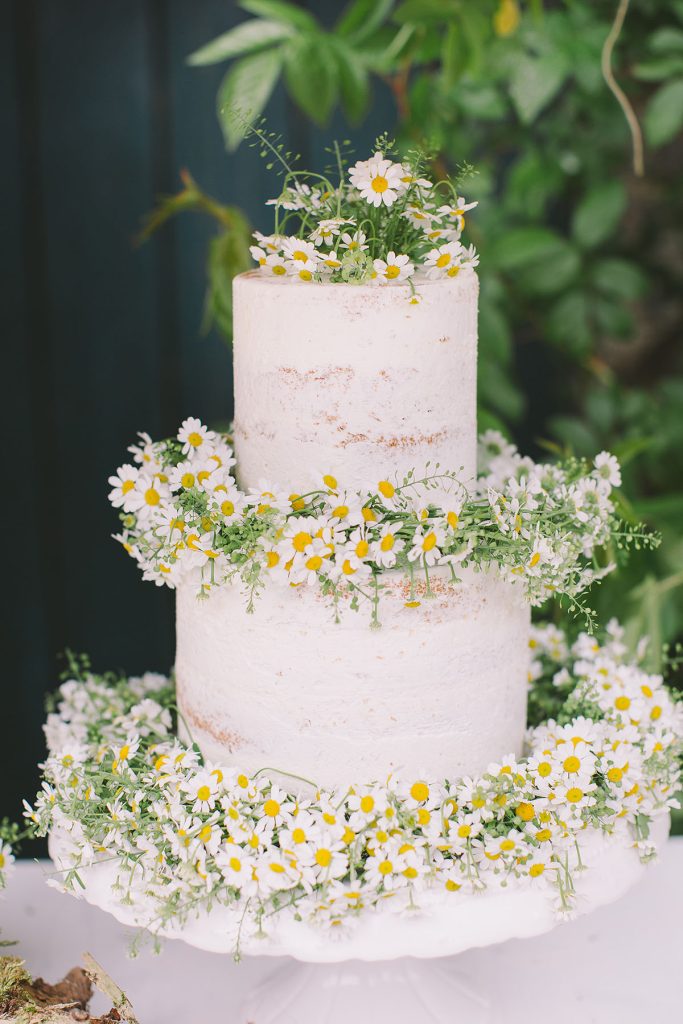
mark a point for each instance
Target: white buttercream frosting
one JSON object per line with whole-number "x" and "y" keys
{"x": 438, "y": 691}
{"x": 353, "y": 380}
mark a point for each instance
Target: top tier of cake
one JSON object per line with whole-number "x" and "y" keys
{"x": 353, "y": 380}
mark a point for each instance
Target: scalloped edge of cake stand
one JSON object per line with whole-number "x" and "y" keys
{"x": 442, "y": 925}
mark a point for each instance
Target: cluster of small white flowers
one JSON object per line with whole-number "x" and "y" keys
{"x": 119, "y": 783}
{"x": 184, "y": 519}
{"x": 342, "y": 232}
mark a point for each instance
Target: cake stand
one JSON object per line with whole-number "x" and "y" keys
{"x": 390, "y": 965}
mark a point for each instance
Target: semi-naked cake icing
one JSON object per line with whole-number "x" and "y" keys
{"x": 359, "y": 383}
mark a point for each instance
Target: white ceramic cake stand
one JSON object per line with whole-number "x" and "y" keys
{"x": 384, "y": 968}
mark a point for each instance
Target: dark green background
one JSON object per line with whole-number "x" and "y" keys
{"x": 100, "y": 338}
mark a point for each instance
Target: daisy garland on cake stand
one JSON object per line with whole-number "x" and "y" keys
{"x": 367, "y": 757}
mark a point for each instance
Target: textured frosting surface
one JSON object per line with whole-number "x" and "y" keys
{"x": 353, "y": 380}
{"x": 439, "y": 690}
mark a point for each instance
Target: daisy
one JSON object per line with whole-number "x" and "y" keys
{"x": 355, "y": 242}
{"x": 122, "y": 484}
{"x": 443, "y": 261}
{"x": 193, "y": 434}
{"x": 275, "y": 265}
{"x": 384, "y": 870}
{"x": 237, "y": 868}
{"x": 258, "y": 254}
{"x": 270, "y": 243}
{"x": 330, "y": 263}
{"x": 299, "y": 251}
{"x": 378, "y": 180}
{"x": 455, "y": 214}
{"x": 395, "y": 268}
{"x": 385, "y": 549}
{"x": 326, "y": 230}
{"x": 302, "y": 271}
{"x": 427, "y": 542}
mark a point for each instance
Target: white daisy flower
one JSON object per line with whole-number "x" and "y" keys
{"x": 122, "y": 484}
{"x": 394, "y": 268}
{"x": 258, "y": 254}
{"x": 378, "y": 180}
{"x": 427, "y": 542}
{"x": 388, "y": 545}
{"x": 325, "y": 231}
{"x": 330, "y": 263}
{"x": 444, "y": 261}
{"x": 455, "y": 213}
{"x": 298, "y": 250}
{"x": 275, "y": 265}
{"x": 302, "y": 271}
{"x": 193, "y": 435}
{"x": 356, "y": 242}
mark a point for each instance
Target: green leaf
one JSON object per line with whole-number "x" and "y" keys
{"x": 495, "y": 337}
{"x": 664, "y": 113}
{"x": 311, "y": 76}
{"x": 666, "y": 39}
{"x": 658, "y": 69}
{"x": 619, "y": 278}
{"x": 535, "y": 82}
{"x": 568, "y": 323}
{"x": 423, "y": 13}
{"x": 280, "y": 10}
{"x": 453, "y": 55}
{"x": 361, "y": 18}
{"x": 354, "y": 83}
{"x": 598, "y": 214}
{"x": 481, "y": 101}
{"x": 497, "y": 391}
{"x": 245, "y": 90}
{"x": 613, "y": 317}
{"x": 522, "y": 246}
{"x": 247, "y": 37}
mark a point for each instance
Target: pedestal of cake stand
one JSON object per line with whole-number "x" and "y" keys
{"x": 406, "y": 991}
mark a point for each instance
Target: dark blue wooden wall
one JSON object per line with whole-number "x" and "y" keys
{"x": 99, "y": 112}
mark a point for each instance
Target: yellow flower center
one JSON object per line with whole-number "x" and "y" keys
{"x": 271, "y": 808}
{"x": 330, "y": 481}
{"x": 323, "y": 858}
{"x": 362, "y": 548}
{"x": 279, "y": 269}
{"x": 152, "y": 496}
{"x": 571, "y": 765}
{"x": 544, "y": 769}
{"x": 392, "y": 271}
{"x": 298, "y": 254}
{"x": 235, "y": 864}
{"x": 305, "y": 275}
{"x": 314, "y": 563}
{"x": 299, "y": 836}
{"x": 574, "y": 795}
{"x": 419, "y": 791}
{"x": 127, "y": 486}
{"x": 387, "y": 542}
{"x": 386, "y": 867}
{"x": 452, "y": 520}
{"x": 367, "y": 804}
{"x": 227, "y": 508}
{"x": 444, "y": 259}
{"x": 379, "y": 184}
{"x": 429, "y": 542}
{"x": 615, "y": 775}
{"x": 622, "y": 703}
{"x": 536, "y": 869}
{"x": 340, "y": 512}
{"x": 301, "y": 541}
{"x": 187, "y": 479}
{"x": 272, "y": 558}
{"x": 203, "y": 793}
{"x": 544, "y": 835}
{"x": 386, "y": 488}
{"x": 525, "y": 811}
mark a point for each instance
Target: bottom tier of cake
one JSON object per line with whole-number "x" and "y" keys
{"x": 439, "y": 691}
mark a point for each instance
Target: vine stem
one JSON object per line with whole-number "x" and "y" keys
{"x": 616, "y": 90}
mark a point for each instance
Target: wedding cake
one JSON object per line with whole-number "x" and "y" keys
{"x": 356, "y": 382}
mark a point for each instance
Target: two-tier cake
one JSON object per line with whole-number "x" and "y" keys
{"x": 356, "y": 382}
